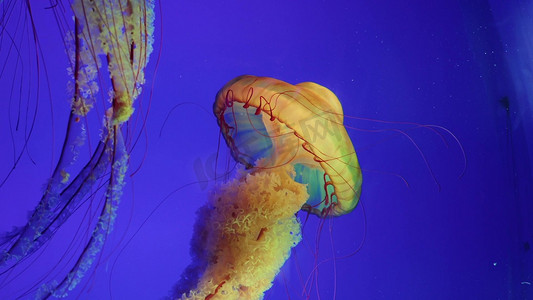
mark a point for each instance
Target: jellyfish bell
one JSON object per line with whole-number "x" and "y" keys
{"x": 302, "y": 125}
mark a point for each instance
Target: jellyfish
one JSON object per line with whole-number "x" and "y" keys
{"x": 295, "y": 154}
{"x": 108, "y": 44}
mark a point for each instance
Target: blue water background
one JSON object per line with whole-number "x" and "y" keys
{"x": 447, "y": 63}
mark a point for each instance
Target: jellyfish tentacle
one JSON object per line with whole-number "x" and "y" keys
{"x": 115, "y": 26}
{"x": 55, "y": 198}
{"x": 104, "y": 225}
{"x": 55, "y": 208}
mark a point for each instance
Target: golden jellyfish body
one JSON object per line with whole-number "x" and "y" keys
{"x": 296, "y": 155}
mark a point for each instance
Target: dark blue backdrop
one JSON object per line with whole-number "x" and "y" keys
{"x": 447, "y": 63}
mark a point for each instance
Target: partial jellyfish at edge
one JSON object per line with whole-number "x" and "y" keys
{"x": 110, "y": 45}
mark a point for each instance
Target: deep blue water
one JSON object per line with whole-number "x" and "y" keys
{"x": 447, "y": 63}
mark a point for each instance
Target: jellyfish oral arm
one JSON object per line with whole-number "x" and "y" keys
{"x": 244, "y": 235}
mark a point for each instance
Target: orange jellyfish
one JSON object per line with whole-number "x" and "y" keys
{"x": 296, "y": 155}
